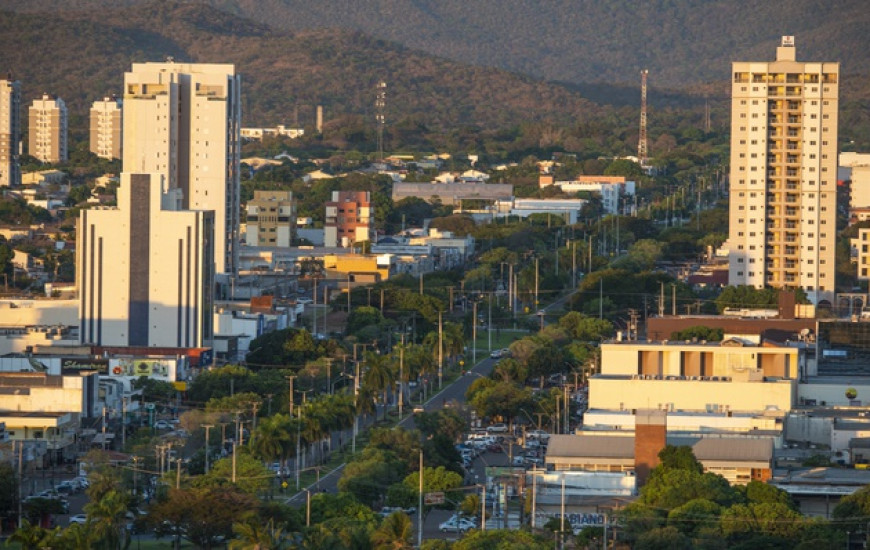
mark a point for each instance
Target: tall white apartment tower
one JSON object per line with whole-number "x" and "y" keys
{"x": 10, "y": 132}
{"x": 106, "y": 128}
{"x": 145, "y": 270}
{"x": 782, "y": 202}
{"x": 182, "y": 121}
{"x": 47, "y": 129}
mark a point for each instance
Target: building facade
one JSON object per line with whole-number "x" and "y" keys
{"x": 271, "y": 219}
{"x": 782, "y": 217}
{"x": 47, "y": 129}
{"x": 349, "y": 219}
{"x": 10, "y": 132}
{"x": 146, "y": 269}
{"x": 106, "y": 128}
{"x": 182, "y": 121}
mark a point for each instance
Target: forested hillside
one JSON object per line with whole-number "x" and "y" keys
{"x": 679, "y": 41}
{"x": 80, "y": 51}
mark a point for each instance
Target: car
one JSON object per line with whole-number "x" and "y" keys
{"x": 497, "y": 428}
{"x": 162, "y": 425}
{"x": 387, "y": 511}
{"x": 496, "y": 354}
{"x": 304, "y": 301}
{"x": 418, "y": 409}
{"x": 454, "y": 524}
{"x": 538, "y": 434}
{"x": 81, "y": 519}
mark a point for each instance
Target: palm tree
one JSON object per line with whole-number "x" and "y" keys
{"x": 380, "y": 376}
{"x": 254, "y": 536}
{"x": 29, "y": 536}
{"x": 394, "y": 533}
{"x": 273, "y": 439}
{"x": 106, "y": 518}
{"x": 77, "y": 537}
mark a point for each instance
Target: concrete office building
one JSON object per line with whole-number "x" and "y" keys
{"x": 271, "y": 219}
{"x": 47, "y": 129}
{"x": 782, "y": 218}
{"x": 145, "y": 270}
{"x": 349, "y": 219}
{"x": 107, "y": 128}
{"x": 10, "y": 132}
{"x": 182, "y": 121}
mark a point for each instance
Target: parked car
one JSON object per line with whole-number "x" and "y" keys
{"x": 538, "y": 434}
{"x": 418, "y": 409}
{"x": 162, "y": 425}
{"x": 459, "y": 525}
{"x": 497, "y": 428}
{"x": 78, "y": 518}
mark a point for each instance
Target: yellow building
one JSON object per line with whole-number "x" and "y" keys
{"x": 271, "y": 219}
{"x": 360, "y": 267}
{"x": 719, "y": 377}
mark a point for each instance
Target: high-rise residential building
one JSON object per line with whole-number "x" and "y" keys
{"x": 783, "y": 184}
{"x": 145, "y": 270}
{"x": 182, "y": 121}
{"x": 47, "y": 129}
{"x": 107, "y": 128}
{"x": 349, "y": 219}
{"x": 10, "y": 132}
{"x": 271, "y": 219}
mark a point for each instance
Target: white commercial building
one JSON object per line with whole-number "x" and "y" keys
{"x": 146, "y": 269}
{"x": 182, "y": 121}
{"x": 783, "y": 182}
{"x": 47, "y": 129}
{"x": 107, "y": 128}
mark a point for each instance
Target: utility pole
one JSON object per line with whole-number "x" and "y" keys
{"x": 674, "y": 300}
{"x": 662, "y": 300}
{"x": 474, "y": 333}
{"x": 313, "y": 328}
{"x": 104, "y": 427}
{"x": 441, "y": 345}
{"x": 355, "y": 400}
{"x": 402, "y": 376}
{"x": 534, "y": 493}
{"x": 290, "y": 379}
{"x": 536, "y": 283}
{"x": 601, "y": 298}
{"x": 489, "y": 322}
{"x": 207, "y": 428}
{"x": 420, "y": 506}
{"x": 123, "y": 423}
{"x": 21, "y": 479}
{"x": 178, "y": 473}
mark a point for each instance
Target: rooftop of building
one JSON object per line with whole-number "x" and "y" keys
{"x": 735, "y": 448}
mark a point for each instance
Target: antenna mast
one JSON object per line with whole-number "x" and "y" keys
{"x": 380, "y": 105}
{"x": 641, "y": 144}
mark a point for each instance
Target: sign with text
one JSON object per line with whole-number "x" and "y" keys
{"x": 433, "y": 499}
{"x": 75, "y": 365}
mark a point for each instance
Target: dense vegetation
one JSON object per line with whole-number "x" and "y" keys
{"x": 432, "y": 103}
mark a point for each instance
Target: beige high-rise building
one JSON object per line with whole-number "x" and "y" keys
{"x": 47, "y": 129}
{"x": 182, "y": 120}
{"x": 10, "y": 132}
{"x": 107, "y": 128}
{"x": 271, "y": 219}
{"x": 782, "y": 201}
{"x": 145, "y": 270}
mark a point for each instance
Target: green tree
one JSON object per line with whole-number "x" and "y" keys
{"x": 379, "y": 376}
{"x": 204, "y": 516}
{"x": 587, "y": 329}
{"x": 253, "y": 535}
{"x": 106, "y": 519}
{"x": 502, "y": 539}
{"x": 30, "y": 536}
{"x": 251, "y": 476}
{"x": 663, "y": 538}
{"x": 394, "y": 533}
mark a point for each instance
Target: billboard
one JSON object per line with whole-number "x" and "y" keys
{"x": 75, "y": 365}
{"x": 152, "y": 368}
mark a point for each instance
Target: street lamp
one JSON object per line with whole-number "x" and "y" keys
{"x": 540, "y": 315}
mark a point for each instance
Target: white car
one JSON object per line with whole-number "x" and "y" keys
{"x": 460, "y": 525}
{"x": 497, "y": 429}
{"x": 162, "y": 425}
{"x": 538, "y": 434}
{"x": 81, "y": 519}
